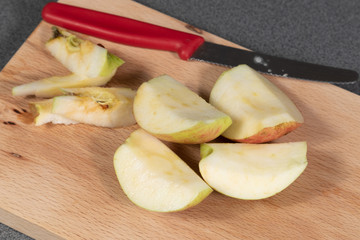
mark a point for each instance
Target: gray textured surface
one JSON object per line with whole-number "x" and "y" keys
{"x": 324, "y": 31}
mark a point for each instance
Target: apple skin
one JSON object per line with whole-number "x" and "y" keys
{"x": 200, "y": 133}
{"x": 260, "y": 111}
{"x": 270, "y": 133}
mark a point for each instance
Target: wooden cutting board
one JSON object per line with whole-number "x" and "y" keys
{"x": 58, "y": 182}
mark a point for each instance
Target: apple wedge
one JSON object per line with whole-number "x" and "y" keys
{"x": 172, "y": 112}
{"x": 82, "y": 57}
{"x": 52, "y": 86}
{"x": 260, "y": 111}
{"x": 104, "y": 107}
{"x": 154, "y": 177}
{"x": 90, "y": 64}
{"x": 252, "y": 171}
{"x": 42, "y": 114}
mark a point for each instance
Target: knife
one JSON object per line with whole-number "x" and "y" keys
{"x": 188, "y": 46}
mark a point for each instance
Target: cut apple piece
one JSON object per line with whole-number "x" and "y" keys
{"x": 104, "y": 107}
{"x": 170, "y": 111}
{"x": 252, "y": 171}
{"x": 42, "y": 112}
{"x": 154, "y": 177}
{"x": 50, "y": 87}
{"x": 82, "y": 57}
{"x": 91, "y": 65}
{"x": 260, "y": 111}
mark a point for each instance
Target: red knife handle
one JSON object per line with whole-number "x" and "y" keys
{"x": 121, "y": 30}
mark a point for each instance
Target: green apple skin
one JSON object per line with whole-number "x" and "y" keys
{"x": 200, "y": 133}
{"x": 260, "y": 111}
{"x": 172, "y": 112}
{"x": 252, "y": 171}
{"x": 155, "y": 178}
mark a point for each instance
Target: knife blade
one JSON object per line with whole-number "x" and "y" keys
{"x": 188, "y": 46}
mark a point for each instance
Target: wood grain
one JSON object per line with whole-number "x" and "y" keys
{"x": 58, "y": 182}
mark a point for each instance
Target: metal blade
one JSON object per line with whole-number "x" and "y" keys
{"x": 231, "y": 57}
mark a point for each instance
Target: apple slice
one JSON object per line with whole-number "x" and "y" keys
{"x": 91, "y": 65}
{"x": 260, "y": 111}
{"x": 170, "y": 111}
{"x": 104, "y": 107}
{"x": 50, "y": 87}
{"x": 42, "y": 112}
{"x": 154, "y": 177}
{"x": 252, "y": 171}
{"x": 82, "y": 57}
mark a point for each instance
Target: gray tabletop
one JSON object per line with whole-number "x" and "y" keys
{"x": 324, "y": 31}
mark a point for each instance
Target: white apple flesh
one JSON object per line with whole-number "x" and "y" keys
{"x": 172, "y": 112}
{"x": 252, "y": 171}
{"x": 154, "y": 177}
{"x": 260, "y": 111}
{"x": 104, "y": 107}
{"x": 82, "y": 57}
{"x": 50, "y": 87}
{"x": 42, "y": 114}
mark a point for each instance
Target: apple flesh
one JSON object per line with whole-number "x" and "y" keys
{"x": 90, "y": 64}
{"x": 252, "y": 171}
{"x": 104, "y": 107}
{"x": 42, "y": 114}
{"x": 172, "y": 112}
{"x": 155, "y": 178}
{"x": 82, "y": 57}
{"x": 260, "y": 111}
{"x": 50, "y": 87}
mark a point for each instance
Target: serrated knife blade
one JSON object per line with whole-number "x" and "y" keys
{"x": 231, "y": 57}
